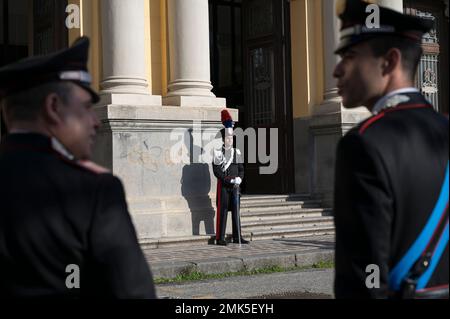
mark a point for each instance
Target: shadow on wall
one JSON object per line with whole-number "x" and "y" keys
{"x": 195, "y": 187}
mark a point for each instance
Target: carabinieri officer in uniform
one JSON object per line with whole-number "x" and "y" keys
{"x": 391, "y": 185}
{"x": 65, "y": 230}
{"x": 228, "y": 167}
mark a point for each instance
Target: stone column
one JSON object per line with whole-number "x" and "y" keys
{"x": 330, "y": 43}
{"x": 392, "y": 4}
{"x": 331, "y": 35}
{"x": 189, "y": 83}
{"x": 330, "y": 120}
{"x": 123, "y": 41}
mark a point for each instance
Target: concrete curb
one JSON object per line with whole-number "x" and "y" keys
{"x": 219, "y": 265}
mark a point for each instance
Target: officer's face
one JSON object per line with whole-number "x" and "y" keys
{"x": 361, "y": 81}
{"x": 78, "y": 125}
{"x": 228, "y": 141}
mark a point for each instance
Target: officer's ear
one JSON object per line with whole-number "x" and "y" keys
{"x": 53, "y": 108}
{"x": 392, "y": 61}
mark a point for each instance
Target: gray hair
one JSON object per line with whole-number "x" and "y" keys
{"x": 25, "y": 105}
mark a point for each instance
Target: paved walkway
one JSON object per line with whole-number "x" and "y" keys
{"x": 305, "y": 284}
{"x": 210, "y": 259}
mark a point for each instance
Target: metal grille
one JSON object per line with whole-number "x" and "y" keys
{"x": 43, "y": 42}
{"x": 427, "y": 78}
{"x": 262, "y": 87}
{"x": 428, "y": 72}
{"x": 430, "y": 37}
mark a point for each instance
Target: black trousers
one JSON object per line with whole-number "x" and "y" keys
{"x": 227, "y": 199}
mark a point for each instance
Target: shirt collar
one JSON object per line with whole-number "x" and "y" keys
{"x": 61, "y": 149}
{"x": 381, "y": 103}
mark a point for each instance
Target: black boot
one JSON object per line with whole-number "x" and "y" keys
{"x": 221, "y": 242}
{"x": 243, "y": 241}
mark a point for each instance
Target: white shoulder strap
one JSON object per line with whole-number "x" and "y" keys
{"x": 229, "y": 161}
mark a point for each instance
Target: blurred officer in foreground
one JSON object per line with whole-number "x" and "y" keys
{"x": 391, "y": 191}
{"x": 65, "y": 230}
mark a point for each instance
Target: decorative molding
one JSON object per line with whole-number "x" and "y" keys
{"x": 153, "y": 125}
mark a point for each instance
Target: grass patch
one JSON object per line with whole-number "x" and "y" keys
{"x": 327, "y": 264}
{"x": 196, "y": 276}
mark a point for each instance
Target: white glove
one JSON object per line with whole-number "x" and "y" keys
{"x": 233, "y": 181}
{"x": 238, "y": 181}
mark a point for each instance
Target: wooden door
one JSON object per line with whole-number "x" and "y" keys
{"x": 267, "y": 88}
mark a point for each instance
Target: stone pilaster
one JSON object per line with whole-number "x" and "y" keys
{"x": 330, "y": 120}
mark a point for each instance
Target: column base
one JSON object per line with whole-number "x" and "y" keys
{"x": 330, "y": 106}
{"x": 189, "y": 101}
{"x": 107, "y": 98}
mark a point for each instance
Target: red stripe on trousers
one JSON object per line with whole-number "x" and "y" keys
{"x": 219, "y": 191}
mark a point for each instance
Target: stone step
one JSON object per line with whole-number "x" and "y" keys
{"x": 262, "y": 234}
{"x": 274, "y": 198}
{"x": 153, "y": 243}
{"x": 284, "y": 223}
{"x": 253, "y": 235}
{"x": 284, "y": 197}
{"x": 275, "y": 209}
{"x": 266, "y": 217}
{"x": 268, "y": 204}
{"x": 284, "y": 213}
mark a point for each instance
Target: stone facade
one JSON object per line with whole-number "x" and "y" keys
{"x": 169, "y": 198}
{"x": 151, "y": 149}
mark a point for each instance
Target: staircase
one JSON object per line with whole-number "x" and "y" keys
{"x": 267, "y": 217}
{"x": 284, "y": 216}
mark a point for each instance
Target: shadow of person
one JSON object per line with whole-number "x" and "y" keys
{"x": 195, "y": 188}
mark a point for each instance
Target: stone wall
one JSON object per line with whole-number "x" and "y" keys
{"x": 169, "y": 193}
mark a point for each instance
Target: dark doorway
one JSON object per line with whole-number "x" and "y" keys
{"x": 30, "y": 28}
{"x": 13, "y": 35}
{"x": 13, "y": 30}
{"x": 49, "y": 30}
{"x": 432, "y": 76}
{"x": 250, "y": 67}
{"x": 226, "y": 50}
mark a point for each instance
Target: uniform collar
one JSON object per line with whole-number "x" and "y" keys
{"x": 393, "y": 99}
{"x": 24, "y": 137}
